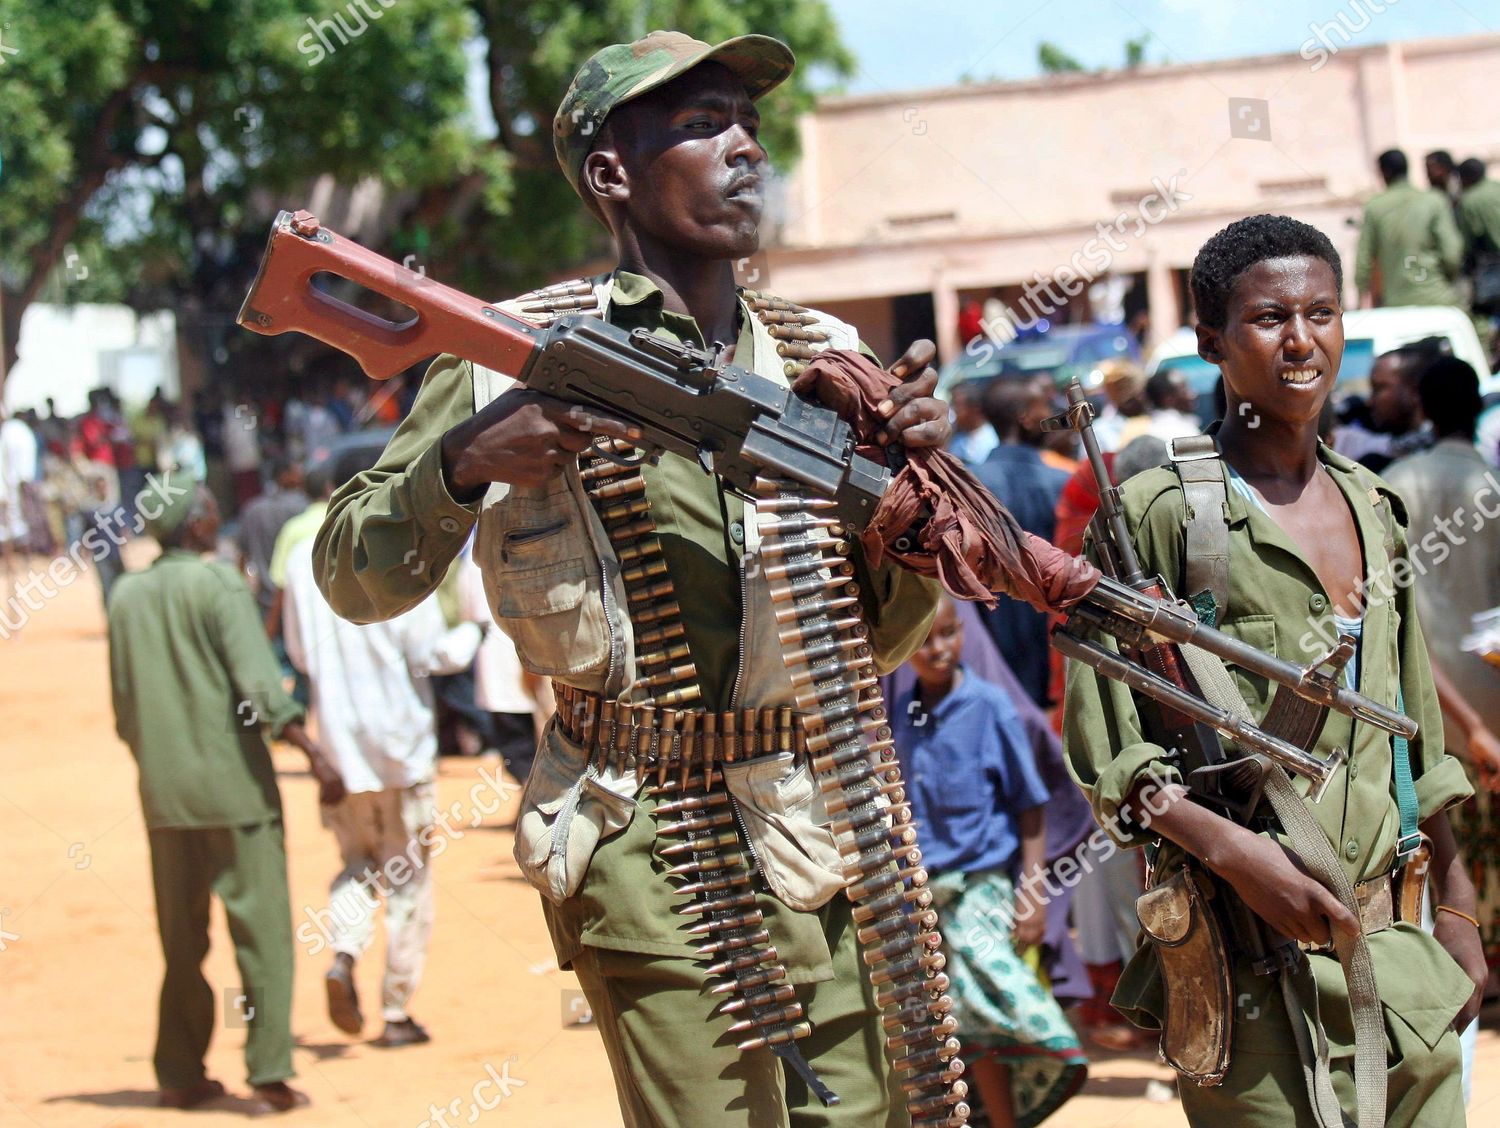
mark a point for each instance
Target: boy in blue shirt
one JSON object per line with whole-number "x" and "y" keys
{"x": 977, "y": 797}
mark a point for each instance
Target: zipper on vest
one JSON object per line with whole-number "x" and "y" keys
{"x": 739, "y": 665}
{"x": 607, "y": 594}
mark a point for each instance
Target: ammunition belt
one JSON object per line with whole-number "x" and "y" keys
{"x": 826, "y": 648}
{"x": 648, "y": 738}
{"x": 695, "y": 814}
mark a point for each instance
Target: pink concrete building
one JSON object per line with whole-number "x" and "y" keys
{"x": 903, "y": 205}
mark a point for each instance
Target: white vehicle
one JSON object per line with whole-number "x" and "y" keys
{"x": 1367, "y": 334}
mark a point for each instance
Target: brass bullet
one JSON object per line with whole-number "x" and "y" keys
{"x": 647, "y": 640}
{"x": 676, "y": 673}
{"x": 933, "y": 1106}
{"x": 916, "y": 1035}
{"x": 708, "y": 863}
{"x": 745, "y": 960}
{"x": 797, "y": 523}
{"x": 633, "y": 531}
{"x": 701, "y": 845}
{"x": 890, "y": 925}
{"x": 782, "y": 993}
{"x": 875, "y": 835}
{"x": 723, "y": 884}
{"x": 623, "y": 488}
{"x": 830, "y": 648}
{"x": 875, "y": 860}
{"x": 795, "y": 569}
{"x": 827, "y": 672}
{"x": 848, "y": 730}
{"x": 788, "y": 1013}
{"x": 603, "y": 469}
{"x": 935, "y": 1056}
{"x": 928, "y": 941}
{"x": 868, "y": 911}
{"x": 931, "y": 963}
{"x": 797, "y": 612}
{"x": 820, "y": 694}
{"x": 651, "y": 594}
{"x": 718, "y": 905}
{"x": 802, "y": 631}
{"x": 918, "y": 1013}
{"x": 647, "y": 571}
{"x": 663, "y": 654}
{"x": 623, "y": 510}
{"x": 859, "y": 890}
{"x": 733, "y": 943}
{"x": 795, "y": 504}
{"x": 844, "y": 754}
{"x": 699, "y": 822}
{"x": 900, "y": 992}
{"x": 646, "y": 615}
{"x": 937, "y": 1079}
{"x": 779, "y": 547}
{"x": 776, "y": 1037}
{"x": 859, "y": 820}
{"x": 682, "y": 695}
{"x": 750, "y": 980}
{"x": 841, "y": 801}
{"x": 747, "y": 919}
{"x": 692, "y": 803}
{"x": 815, "y": 584}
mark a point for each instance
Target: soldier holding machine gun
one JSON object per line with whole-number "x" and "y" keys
{"x": 659, "y": 139}
{"x": 1280, "y": 918}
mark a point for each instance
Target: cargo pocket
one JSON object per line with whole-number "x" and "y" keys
{"x": 566, "y": 810}
{"x": 782, "y": 811}
{"x": 543, "y": 582}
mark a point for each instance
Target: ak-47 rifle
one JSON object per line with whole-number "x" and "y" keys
{"x": 732, "y": 422}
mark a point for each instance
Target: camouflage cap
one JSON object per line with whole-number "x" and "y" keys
{"x": 623, "y": 71}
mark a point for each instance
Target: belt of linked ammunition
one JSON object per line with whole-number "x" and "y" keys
{"x": 648, "y": 737}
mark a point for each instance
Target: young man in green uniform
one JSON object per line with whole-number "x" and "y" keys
{"x": 659, "y": 139}
{"x": 195, "y": 684}
{"x": 1316, "y": 546}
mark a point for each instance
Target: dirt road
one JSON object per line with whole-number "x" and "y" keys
{"x": 80, "y": 963}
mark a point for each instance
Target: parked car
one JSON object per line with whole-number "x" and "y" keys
{"x": 1367, "y": 334}
{"x": 1061, "y": 354}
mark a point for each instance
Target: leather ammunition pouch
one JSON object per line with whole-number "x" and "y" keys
{"x": 1197, "y": 1027}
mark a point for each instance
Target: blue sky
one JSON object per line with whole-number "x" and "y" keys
{"x": 901, "y": 44}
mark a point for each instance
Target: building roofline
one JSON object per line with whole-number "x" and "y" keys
{"x": 836, "y": 103}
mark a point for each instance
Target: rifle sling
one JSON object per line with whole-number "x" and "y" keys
{"x": 1313, "y": 848}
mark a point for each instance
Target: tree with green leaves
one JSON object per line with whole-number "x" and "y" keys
{"x": 153, "y": 140}
{"x": 1054, "y": 60}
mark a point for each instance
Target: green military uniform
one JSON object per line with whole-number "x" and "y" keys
{"x": 620, "y": 932}
{"x": 1277, "y": 604}
{"x": 1410, "y": 234}
{"x": 194, "y": 682}
{"x": 1479, "y": 215}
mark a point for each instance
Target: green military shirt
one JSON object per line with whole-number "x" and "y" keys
{"x": 194, "y": 683}
{"x": 1410, "y": 234}
{"x": 392, "y": 532}
{"x": 1278, "y": 605}
{"x": 1479, "y": 215}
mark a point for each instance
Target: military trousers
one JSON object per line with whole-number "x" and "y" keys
{"x": 676, "y": 1067}
{"x": 1424, "y": 1087}
{"x": 245, "y": 867}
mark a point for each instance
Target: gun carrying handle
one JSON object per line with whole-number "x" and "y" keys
{"x": 283, "y": 299}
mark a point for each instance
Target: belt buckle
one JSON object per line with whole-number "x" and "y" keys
{"x": 1408, "y": 845}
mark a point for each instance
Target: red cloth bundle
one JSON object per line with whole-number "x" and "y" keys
{"x": 969, "y": 542}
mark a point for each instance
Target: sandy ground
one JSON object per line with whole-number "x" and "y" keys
{"x": 80, "y": 962}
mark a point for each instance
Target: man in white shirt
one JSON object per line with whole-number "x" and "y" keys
{"x": 18, "y": 469}
{"x": 372, "y": 697}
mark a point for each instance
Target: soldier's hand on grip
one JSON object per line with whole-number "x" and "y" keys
{"x": 525, "y": 439}
{"x": 1279, "y": 891}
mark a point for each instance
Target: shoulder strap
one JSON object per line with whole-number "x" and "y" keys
{"x": 1205, "y": 518}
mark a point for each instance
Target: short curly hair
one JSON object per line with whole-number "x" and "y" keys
{"x": 1241, "y": 245}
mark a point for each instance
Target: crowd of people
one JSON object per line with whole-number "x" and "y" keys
{"x": 346, "y": 612}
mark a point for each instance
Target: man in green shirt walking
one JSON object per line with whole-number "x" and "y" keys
{"x": 1410, "y": 251}
{"x": 1479, "y": 220}
{"x": 645, "y": 594}
{"x": 195, "y": 686}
